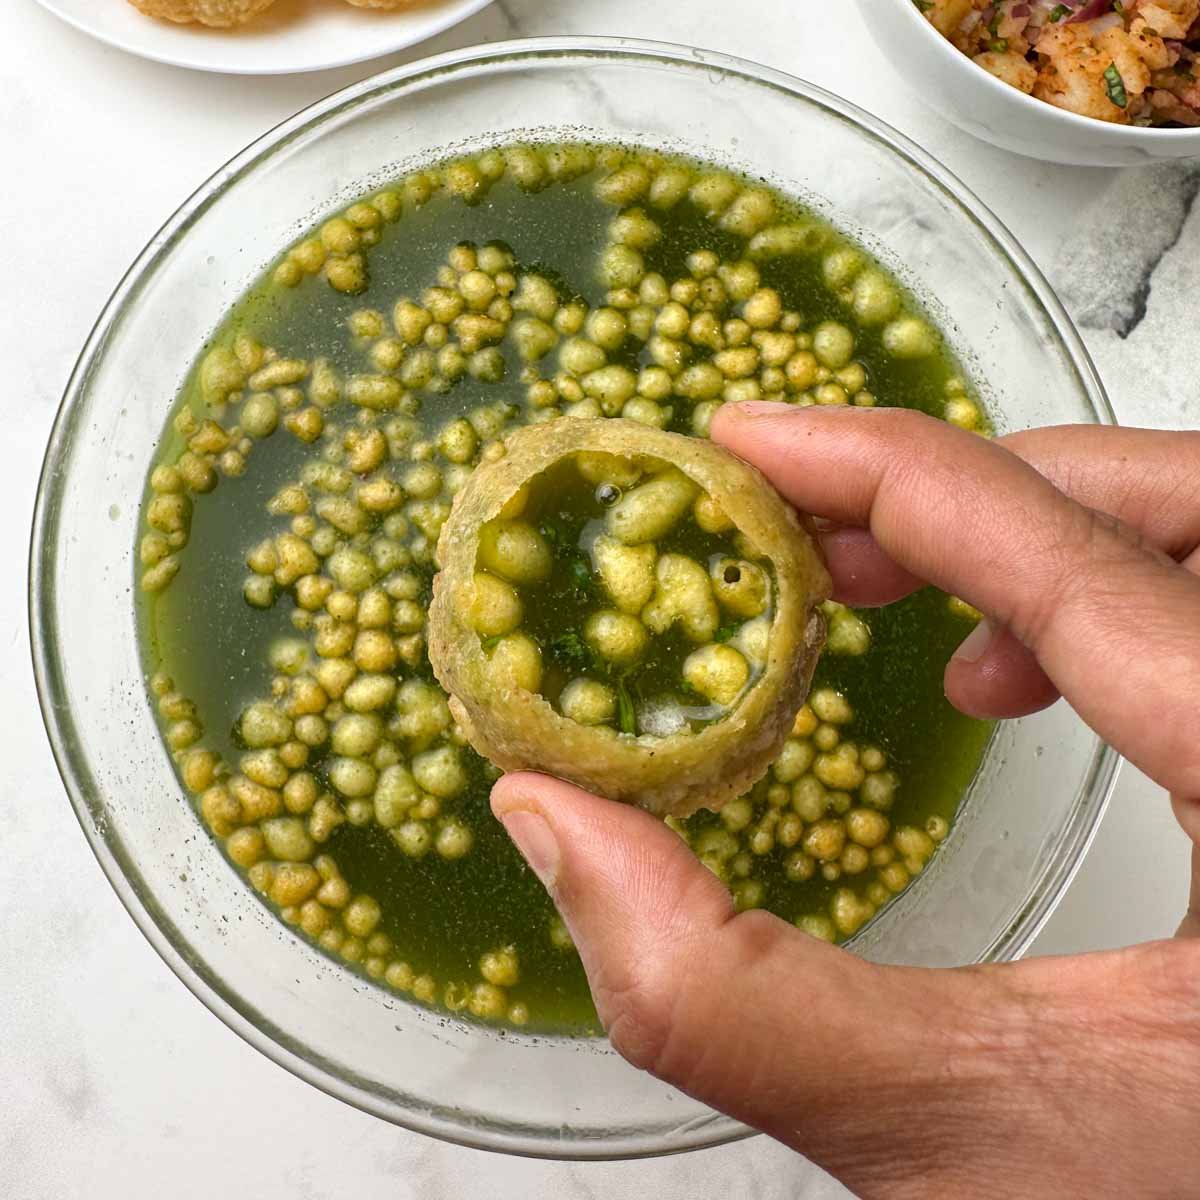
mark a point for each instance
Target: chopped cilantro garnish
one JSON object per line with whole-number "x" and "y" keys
{"x": 1059, "y": 11}
{"x": 725, "y": 632}
{"x": 581, "y": 574}
{"x": 625, "y": 712}
{"x": 558, "y": 535}
{"x": 923, "y": 5}
{"x": 571, "y": 652}
{"x": 1115, "y": 86}
{"x": 490, "y": 643}
{"x": 564, "y": 541}
{"x": 998, "y": 45}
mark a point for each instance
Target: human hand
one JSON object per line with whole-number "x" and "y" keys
{"x": 1051, "y": 1076}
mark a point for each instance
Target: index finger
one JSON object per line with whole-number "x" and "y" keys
{"x": 1148, "y": 479}
{"x": 1115, "y": 624}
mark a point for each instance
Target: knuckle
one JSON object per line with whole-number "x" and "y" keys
{"x": 1077, "y": 564}
{"x": 910, "y": 431}
{"x": 658, "y": 1010}
{"x": 643, "y": 995}
{"x": 637, "y": 1013}
{"x": 660, "y": 1013}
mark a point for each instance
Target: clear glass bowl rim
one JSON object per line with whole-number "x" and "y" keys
{"x": 123, "y": 874}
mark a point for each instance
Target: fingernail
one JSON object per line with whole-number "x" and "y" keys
{"x": 536, "y": 842}
{"x": 975, "y": 644}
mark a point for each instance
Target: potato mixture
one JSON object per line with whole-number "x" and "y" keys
{"x": 1135, "y": 62}
{"x": 389, "y": 359}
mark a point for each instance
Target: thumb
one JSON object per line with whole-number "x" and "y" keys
{"x": 655, "y": 930}
{"x": 742, "y": 1011}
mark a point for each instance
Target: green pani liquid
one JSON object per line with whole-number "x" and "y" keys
{"x": 441, "y": 915}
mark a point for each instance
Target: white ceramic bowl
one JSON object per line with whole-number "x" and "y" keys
{"x": 951, "y": 84}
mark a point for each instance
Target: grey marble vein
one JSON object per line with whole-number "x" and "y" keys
{"x": 71, "y": 1085}
{"x": 511, "y": 19}
{"x": 1106, "y": 268}
{"x": 1127, "y": 273}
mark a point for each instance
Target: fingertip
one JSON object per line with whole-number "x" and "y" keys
{"x": 731, "y": 420}
{"x": 603, "y": 847}
{"x": 517, "y": 803}
{"x": 975, "y": 645}
{"x": 596, "y": 837}
{"x": 863, "y": 575}
{"x": 993, "y": 676}
{"x": 518, "y": 790}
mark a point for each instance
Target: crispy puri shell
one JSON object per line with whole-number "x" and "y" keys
{"x": 220, "y": 14}
{"x": 675, "y": 775}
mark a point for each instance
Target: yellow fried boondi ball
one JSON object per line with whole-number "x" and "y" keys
{"x": 219, "y": 13}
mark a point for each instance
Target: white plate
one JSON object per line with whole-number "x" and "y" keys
{"x": 291, "y": 36}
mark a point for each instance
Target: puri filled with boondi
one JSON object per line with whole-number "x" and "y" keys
{"x": 632, "y": 610}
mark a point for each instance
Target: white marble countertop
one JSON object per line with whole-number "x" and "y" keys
{"x": 116, "y": 1081}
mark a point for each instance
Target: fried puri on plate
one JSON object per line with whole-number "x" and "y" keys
{"x": 221, "y": 14}
{"x": 224, "y": 14}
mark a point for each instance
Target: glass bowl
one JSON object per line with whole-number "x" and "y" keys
{"x": 1030, "y": 812}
